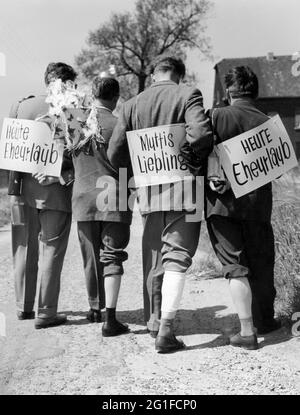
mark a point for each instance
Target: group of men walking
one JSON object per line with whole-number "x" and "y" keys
{"x": 240, "y": 229}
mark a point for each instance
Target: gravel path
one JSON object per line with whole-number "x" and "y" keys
{"x": 75, "y": 359}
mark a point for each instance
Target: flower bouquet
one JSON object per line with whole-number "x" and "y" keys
{"x": 71, "y": 118}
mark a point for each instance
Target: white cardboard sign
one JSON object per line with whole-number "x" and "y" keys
{"x": 28, "y": 146}
{"x": 155, "y": 155}
{"x": 258, "y": 156}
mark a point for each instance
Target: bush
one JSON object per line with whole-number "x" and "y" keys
{"x": 286, "y": 223}
{"x": 4, "y": 208}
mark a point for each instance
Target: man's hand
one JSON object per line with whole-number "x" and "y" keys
{"x": 45, "y": 180}
{"x": 219, "y": 187}
{"x": 191, "y": 159}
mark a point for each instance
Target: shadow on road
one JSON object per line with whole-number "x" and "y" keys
{"x": 276, "y": 337}
{"x": 206, "y": 321}
{"x": 78, "y": 322}
{"x": 192, "y": 322}
{"x": 218, "y": 342}
{"x": 130, "y": 317}
{"x": 188, "y": 322}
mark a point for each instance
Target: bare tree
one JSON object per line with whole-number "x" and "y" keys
{"x": 131, "y": 41}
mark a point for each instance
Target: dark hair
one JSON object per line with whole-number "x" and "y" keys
{"x": 169, "y": 63}
{"x": 105, "y": 88}
{"x": 59, "y": 70}
{"x": 242, "y": 81}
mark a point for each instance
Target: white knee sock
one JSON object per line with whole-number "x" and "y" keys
{"x": 172, "y": 289}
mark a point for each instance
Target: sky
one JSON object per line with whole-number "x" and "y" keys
{"x": 36, "y": 32}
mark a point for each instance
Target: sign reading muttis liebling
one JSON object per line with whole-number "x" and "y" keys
{"x": 258, "y": 156}
{"x": 28, "y": 146}
{"x": 155, "y": 155}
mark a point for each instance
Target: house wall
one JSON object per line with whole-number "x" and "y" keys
{"x": 286, "y": 108}
{"x": 218, "y": 91}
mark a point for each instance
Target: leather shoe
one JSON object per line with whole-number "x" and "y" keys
{"x": 26, "y": 315}
{"x": 166, "y": 344}
{"x": 44, "y": 323}
{"x": 246, "y": 342}
{"x": 268, "y": 328}
{"x": 114, "y": 329}
{"x": 94, "y": 316}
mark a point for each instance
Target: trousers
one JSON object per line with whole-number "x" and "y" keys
{"x": 246, "y": 249}
{"x": 44, "y": 236}
{"x": 169, "y": 243}
{"x": 102, "y": 247}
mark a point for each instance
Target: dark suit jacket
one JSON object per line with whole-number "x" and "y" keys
{"x": 229, "y": 122}
{"x": 54, "y": 196}
{"x": 163, "y": 103}
{"x": 89, "y": 169}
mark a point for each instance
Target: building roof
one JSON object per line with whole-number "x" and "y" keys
{"x": 274, "y": 74}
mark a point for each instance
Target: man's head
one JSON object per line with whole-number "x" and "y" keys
{"x": 107, "y": 91}
{"x": 59, "y": 70}
{"x": 241, "y": 82}
{"x": 168, "y": 68}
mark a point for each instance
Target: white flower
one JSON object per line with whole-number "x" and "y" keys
{"x": 71, "y": 118}
{"x": 63, "y": 94}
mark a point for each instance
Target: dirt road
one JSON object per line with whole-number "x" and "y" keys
{"x": 75, "y": 359}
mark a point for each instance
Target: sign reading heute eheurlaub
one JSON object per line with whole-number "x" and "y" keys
{"x": 155, "y": 155}
{"x": 257, "y": 157}
{"x": 28, "y": 146}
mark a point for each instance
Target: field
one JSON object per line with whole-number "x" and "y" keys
{"x": 4, "y": 207}
{"x": 286, "y": 222}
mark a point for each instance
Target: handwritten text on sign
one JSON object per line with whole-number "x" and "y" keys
{"x": 155, "y": 155}
{"x": 28, "y": 146}
{"x": 257, "y": 157}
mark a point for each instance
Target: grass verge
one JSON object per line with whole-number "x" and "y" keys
{"x": 4, "y": 207}
{"x": 286, "y": 224}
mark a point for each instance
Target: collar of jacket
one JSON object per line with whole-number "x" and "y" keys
{"x": 161, "y": 83}
{"x": 245, "y": 102}
{"x": 102, "y": 108}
